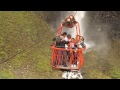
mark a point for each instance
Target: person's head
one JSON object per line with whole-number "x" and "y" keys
{"x": 71, "y": 17}
{"x": 72, "y": 39}
{"x": 69, "y": 36}
{"x": 68, "y": 19}
{"x": 64, "y": 33}
{"x": 79, "y": 38}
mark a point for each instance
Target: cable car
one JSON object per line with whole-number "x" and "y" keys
{"x": 66, "y": 58}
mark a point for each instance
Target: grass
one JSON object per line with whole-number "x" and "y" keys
{"x": 115, "y": 73}
{"x": 96, "y": 74}
{"x": 6, "y": 74}
{"x": 103, "y": 67}
{"x": 27, "y": 32}
{"x": 25, "y": 38}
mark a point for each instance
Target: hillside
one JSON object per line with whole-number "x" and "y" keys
{"x": 24, "y": 46}
{"x": 102, "y": 62}
{"x": 26, "y": 36}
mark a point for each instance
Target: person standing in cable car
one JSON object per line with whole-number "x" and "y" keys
{"x": 80, "y": 42}
{"x": 69, "y": 22}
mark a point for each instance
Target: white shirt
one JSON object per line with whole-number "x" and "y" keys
{"x": 65, "y": 38}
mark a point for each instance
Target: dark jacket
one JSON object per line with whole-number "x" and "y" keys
{"x": 59, "y": 43}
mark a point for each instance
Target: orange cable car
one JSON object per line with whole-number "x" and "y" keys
{"x": 68, "y": 59}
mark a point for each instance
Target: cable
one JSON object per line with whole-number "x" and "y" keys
{"x": 24, "y": 50}
{"x": 27, "y": 48}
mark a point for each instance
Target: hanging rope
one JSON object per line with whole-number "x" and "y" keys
{"x": 25, "y": 49}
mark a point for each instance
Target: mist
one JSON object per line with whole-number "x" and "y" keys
{"x": 94, "y": 32}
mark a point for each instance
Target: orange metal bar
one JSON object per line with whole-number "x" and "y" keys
{"x": 81, "y": 59}
{"x": 76, "y": 30}
{"x": 58, "y": 55}
{"x": 79, "y": 28}
{"x": 60, "y": 29}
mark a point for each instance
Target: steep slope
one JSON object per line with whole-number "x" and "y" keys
{"x": 24, "y": 46}
{"x": 103, "y": 28}
{"x": 25, "y": 39}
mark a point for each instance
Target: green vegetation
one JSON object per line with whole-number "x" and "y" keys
{"x": 6, "y": 74}
{"x": 115, "y": 73}
{"x": 25, "y": 39}
{"x": 103, "y": 67}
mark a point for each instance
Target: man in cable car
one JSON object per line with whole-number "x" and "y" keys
{"x": 69, "y": 22}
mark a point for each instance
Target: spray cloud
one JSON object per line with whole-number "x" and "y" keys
{"x": 94, "y": 32}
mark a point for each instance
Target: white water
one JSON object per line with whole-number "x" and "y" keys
{"x": 79, "y": 16}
